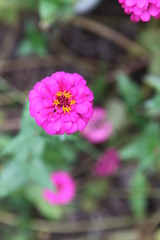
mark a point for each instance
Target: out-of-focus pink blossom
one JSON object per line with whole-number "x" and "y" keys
{"x": 99, "y": 129}
{"x": 107, "y": 164}
{"x": 65, "y": 189}
{"x": 141, "y": 9}
{"x": 61, "y": 103}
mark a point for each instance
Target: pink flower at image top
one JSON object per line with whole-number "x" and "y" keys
{"x": 65, "y": 189}
{"x": 61, "y": 103}
{"x": 99, "y": 129}
{"x": 141, "y": 9}
{"x": 107, "y": 164}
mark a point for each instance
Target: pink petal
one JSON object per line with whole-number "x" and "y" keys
{"x": 81, "y": 108}
{"x": 81, "y": 124}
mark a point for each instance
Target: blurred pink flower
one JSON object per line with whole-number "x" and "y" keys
{"x": 65, "y": 189}
{"x": 61, "y": 103}
{"x": 99, "y": 129}
{"x": 141, "y": 9}
{"x": 107, "y": 164}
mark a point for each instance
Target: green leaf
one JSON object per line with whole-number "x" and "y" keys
{"x": 2, "y": 117}
{"x": 28, "y": 141}
{"x": 27, "y": 122}
{"x": 144, "y": 147}
{"x": 47, "y": 8}
{"x": 34, "y": 42}
{"x": 4, "y": 140}
{"x": 99, "y": 87}
{"x": 21, "y": 235}
{"x": 12, "y": 178}
{"x": 150, "y": 39}
{"x": 17, "y": 144}
{"x": 25, "y": 48}
{"x": 25, "y": 146}
{"x": 39, "y": 174}
{"x": 138, "y": 195}
{"x": 51, "y": 11}
{"x": 10, "y": 9}
{"x": 117, "y": 114}
{"x": 129, "y": 90}
{"x": 157, "y": 234}
{"x": 34, "y": 194}
{"x": 153, "y": 81}
{"x": 152, "y": 106}
{"x": 61, "y": 154}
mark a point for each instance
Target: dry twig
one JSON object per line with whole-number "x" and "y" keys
{"x": 100, "y": 224}
{"x": 112, "y": 35}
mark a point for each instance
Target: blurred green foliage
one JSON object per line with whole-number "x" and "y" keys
{"x": 144, "y": 145}
{"x": 35, "y": 41}
{"x": 138, "y": 195}
{"x": 10, "y": 9}
{"x": 150, "y": 39}
{"x": 29, "y": 165}
{"x": 49, "y": 11}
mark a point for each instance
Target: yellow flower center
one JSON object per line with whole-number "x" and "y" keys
{"x": 64, "y": 100}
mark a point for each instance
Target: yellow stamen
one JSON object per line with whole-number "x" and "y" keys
{"x": 59, "y": 94}
{"x": 67, "y": 94}
{"x": 64, "y": 98}
{"x": 56, "y": 102}
{"x": 72, "y": 102}
{"x": 66, "y": 109}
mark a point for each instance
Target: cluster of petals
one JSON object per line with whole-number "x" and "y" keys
{"x": 61, "y": 103}
{"x": 141, "y": 9}
{"x": 65, "y": 189}
{"x": 107, "y": 164}
{"x": 99, "y": 129}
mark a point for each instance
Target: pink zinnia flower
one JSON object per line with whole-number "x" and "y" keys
{"x": 99, "y": 129}
{"x": 141, "y": 9}
{"x": 65, "y": 189}
{"x": 61, "y": 103}
{"x": 107, "y": 164}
